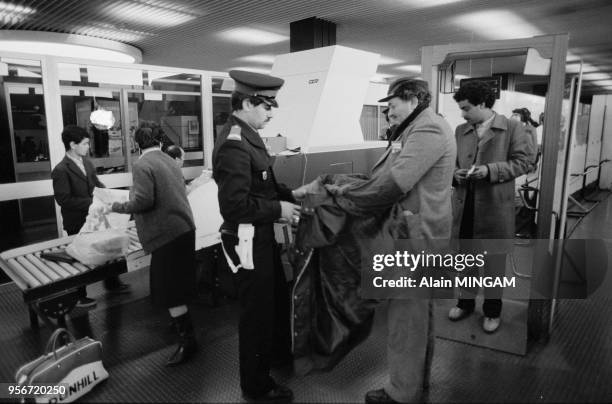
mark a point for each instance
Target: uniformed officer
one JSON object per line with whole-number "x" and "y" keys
{"x": 250, "y": 195}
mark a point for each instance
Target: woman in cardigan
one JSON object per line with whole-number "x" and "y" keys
{"x": 166, "y": 229}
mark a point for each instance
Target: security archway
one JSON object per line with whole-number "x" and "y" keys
{"x": 512, "y": 63}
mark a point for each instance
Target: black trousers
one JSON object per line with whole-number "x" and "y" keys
{"x": 264, "y": 328}
{"x": 495, "y": 266}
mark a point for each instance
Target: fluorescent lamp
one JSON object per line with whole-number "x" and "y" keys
{"x": 252, "y": 69}
{"x": 252, "y": 36}
{"x": 262, "y": 58}
{"x": 384, "y": 60}
{"x": 427, "y": 3}
{"x": 68, "y": 45}
{"x": 410, "y": 68}
{"x": 601, "y": 83}
{"x": 595, "y": 76}
{"x": 112, "y": 33}
{"x": 13, "y": 14}
{"x": 380, "y": 78}
{"x": 574, "y": 67}
{"x": 149, "y": 14}
{"x": 496, "y": 24}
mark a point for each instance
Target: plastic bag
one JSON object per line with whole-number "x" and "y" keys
{"x": 103, "y": 237}
{"x": 99, "y": 247}
{"x": 98, "y": 220}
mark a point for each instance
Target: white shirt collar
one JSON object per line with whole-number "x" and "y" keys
{"x": 148, "y": 150}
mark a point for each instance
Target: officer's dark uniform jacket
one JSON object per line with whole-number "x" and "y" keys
{"x": 242, "y": 168}
{"x": 248, "y": 193}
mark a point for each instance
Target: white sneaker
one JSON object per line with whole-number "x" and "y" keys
{"x": 490, "y": 324}
{"x": 456, "y": 313}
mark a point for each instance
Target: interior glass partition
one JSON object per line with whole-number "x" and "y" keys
{"x": 24, "y": 154}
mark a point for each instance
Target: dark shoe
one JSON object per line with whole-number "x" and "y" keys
{"x": 457, "y": 313}
{"x": 282, "y": 362}
{"x": 187, "y": 345}
{"x": 86, "y": 303}
{"x": 118, "y": 288}
{"x": 379, "y": 396}
{"x": 278, "y": 394}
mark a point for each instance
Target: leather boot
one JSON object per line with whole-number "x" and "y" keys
{"x": 187, "y": 345}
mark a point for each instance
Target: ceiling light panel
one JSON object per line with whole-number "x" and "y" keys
{"x": 410, "y": 68}
{"x": 115, "y": 34}
{"x": 428, "y": 3}
{"x": 595, "y": 76}
{"x": 496, "y": 24}
{"x": 252, "y": 36}
{"x": 252, "y": 69}
{"x": 262, "y": 58}
{"x": 153, "y": 13}
{"x": 14, "y": 14}
{"x": 384, "y": 60}
{"x": 66, "y": 50}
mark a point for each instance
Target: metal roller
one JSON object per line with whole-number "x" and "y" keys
{"x": 45, "y": 269}
{"x": 24, "y": 274}
{"x": 58, "y": 269}
{"x": 42, "y": 278}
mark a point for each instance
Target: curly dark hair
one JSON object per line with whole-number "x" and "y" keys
{"x": 476, "y": 92}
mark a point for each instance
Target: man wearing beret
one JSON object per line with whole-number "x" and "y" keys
{"x": 249, "y": 195}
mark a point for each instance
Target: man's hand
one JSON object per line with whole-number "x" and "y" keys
{"x": 461, "y": 175}
{"x": 300, "y": 193}
{"x": 290, "y": 213}
{"x": 479, "y": 173}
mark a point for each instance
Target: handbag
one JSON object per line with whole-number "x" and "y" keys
{"x": 75, "y": 367}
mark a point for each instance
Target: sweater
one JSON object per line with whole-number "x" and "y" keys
{"x": 158, "y": 201}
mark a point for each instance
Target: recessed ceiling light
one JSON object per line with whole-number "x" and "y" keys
{"x": 602, "y": 83}
{"x": 252, "y": 36}
{"x": 595, "y": 76}
{"x": 252, "y": 69}
{"x": 112, "y": 33}
{"x": 574, "y": 67}
{"x": 160, "y": 13}
{"x": 496, "y": 24}
{"x": 428, "y": 3}
{"x": 64, "y": 45}
{"x": 14, "y": 14}
{"x": 262, "y": 58}
{"x": 380, "y": 78}
{"x": 384, "y": 60}
{"x": 410, "y": 68}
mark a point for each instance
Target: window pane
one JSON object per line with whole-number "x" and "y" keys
{"x": 179, "y": 115}
{"x": 24, "y": 143}
{"x": 107, "y": 147}
{"x": 222, "y": 109}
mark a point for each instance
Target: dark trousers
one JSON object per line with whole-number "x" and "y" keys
{"x": 109, "y": 283}
{"x": 264, "y": 328}
{"x": 495, "y": 266}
